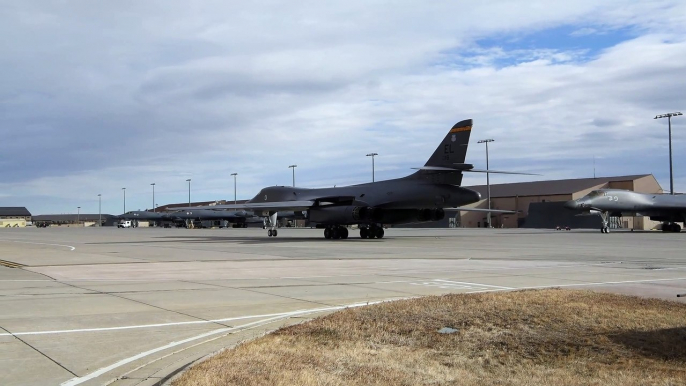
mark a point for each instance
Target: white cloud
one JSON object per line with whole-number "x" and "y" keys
{"x": 100, "y": 96}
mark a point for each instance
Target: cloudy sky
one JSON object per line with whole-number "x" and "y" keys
{"x": 100, "y": 95}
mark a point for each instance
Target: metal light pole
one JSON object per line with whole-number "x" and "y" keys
{"x": 234, "y": 187}
{"x": 293, "y": 167}
{"x": 189, "y": 191}
{"x": 669, "y": 119}
{"x": 78, "y": 215}
{"x": 153, "y": 197}
{"x": 99, "y": 210}
{"x": 372, "y": 155}
{"x": 488, "y": 180}
{"x": 124, "y": 189}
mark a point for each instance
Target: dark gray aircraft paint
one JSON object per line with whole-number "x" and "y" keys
{"x": 241, "y": 218}
{"x": 420, "y": 197}
{"x": 669, "y": 209}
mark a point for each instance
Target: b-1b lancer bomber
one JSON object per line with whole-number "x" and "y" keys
{"x": 420, "y": 197}
{"x": 667, "y": 208}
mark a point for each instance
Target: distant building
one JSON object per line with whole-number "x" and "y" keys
{"x": 83, "y": 219}
{"x": 14, "y": 217}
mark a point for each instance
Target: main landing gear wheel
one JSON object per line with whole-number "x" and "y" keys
{"x": 373, "y": 231}
{"x": 336, "y": 232}
{"x": 671, "y": 227}
{"x": 272, "y": 233}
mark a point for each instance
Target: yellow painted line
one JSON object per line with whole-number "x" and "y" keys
{"x": 10, "y": 264}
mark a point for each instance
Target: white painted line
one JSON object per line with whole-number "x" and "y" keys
{"x": 57, "y": 245}
{"x": 99, "y": 329}
{"x": 473, "y": 284}
{"x": 605, "y": 283}
{"x": 149, "y": 325}
{"x": 95, "y": 374}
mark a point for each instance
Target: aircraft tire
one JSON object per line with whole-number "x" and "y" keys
{"x": 327, "y": 233}
{"x": 364, "y": 233}
{"x": 677, "y": 228}
{"x": 275, "y": 232}
{"x": 336, "y": 233}
{"x": 269, "y": 233}
{"x": 379, "y": 233}
{"x": 344, "y": 233}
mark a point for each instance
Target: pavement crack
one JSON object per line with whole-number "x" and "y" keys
{"x": 39, "y": 351}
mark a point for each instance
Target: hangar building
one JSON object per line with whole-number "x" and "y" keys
{"x": 14, "y": 216}
{"x": 539, "y": 203}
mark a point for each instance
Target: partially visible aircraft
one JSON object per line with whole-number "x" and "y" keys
{"x": 667, "y": 208}
{"x": 420, "y": 197}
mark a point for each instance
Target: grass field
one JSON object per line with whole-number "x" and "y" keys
{"x": 546, "y": 337}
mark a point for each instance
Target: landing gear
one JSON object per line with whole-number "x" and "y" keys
{"x": 336, "y": 232}
{"x": 272, "y": 225}
{"x": 373, "y": 231}
{"x": 671, "y": 227}
{"x": 605, "y": 228}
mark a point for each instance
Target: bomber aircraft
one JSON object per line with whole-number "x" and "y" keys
{"x": 670, "y": 209}
{"x": 420, "y": 197}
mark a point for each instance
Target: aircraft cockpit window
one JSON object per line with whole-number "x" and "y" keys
{"x": 594, "y": 194}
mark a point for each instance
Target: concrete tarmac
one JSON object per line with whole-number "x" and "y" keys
{"x": 107, "y": 306}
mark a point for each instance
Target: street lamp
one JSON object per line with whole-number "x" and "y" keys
{"x": 488, "y": 181}
{"x": 234, "y": 187}
{"x": 124, "y": 189}
{"x": 372, "y": 155}
{"x": 153, "y": 197}
{"x": 293, "y": 167}
{"x": 669, "y": 119}
{"x": 78, "y": 215}
{"x": 189, "y": 191}
{"x": 99, "y": 210}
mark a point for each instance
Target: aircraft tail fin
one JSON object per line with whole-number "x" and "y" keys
{"x": 444, "y": 165}
{"x": 453, "y": 148}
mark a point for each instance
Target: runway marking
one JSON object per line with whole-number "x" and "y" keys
{"x": 97, "y": 373}
{"x": 56, "y": 245}
{"x": 459, "y": 285}
{"x": 280, "y": 314}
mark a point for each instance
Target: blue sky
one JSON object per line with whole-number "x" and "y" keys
{"x": 100, "y": 96}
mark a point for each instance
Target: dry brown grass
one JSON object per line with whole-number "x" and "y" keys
{"x": 547, "y": 337}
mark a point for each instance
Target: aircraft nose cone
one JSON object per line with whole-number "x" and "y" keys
{"x": 474, "y": 196}
{"x": 572, "y": 204}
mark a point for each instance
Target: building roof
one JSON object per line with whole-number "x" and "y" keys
{"x": 14, "y": 211}
{"x": 548, "y": 188}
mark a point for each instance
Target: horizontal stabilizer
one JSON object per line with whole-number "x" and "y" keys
{"x": 499, "y": 172}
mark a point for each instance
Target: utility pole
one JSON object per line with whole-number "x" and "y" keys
{"x": 153, "y": 197}
{"x": 124, "y": 189}
{"x": 669, "y": 119}
{"x": 189, "y": 191}
{"x": 78, "y": 215}
{"x": 293, "y": 167}
{"x": 99, "y": 210}
{"x": 488, "y": 180}
{"x": 234, "y": 187}
{"x": 372, "y": 155}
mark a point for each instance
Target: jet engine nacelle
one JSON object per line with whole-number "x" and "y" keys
{"x": 338, "y": 214}
{"x": 361, "y": 215}
{"x": 434, "y": 214}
